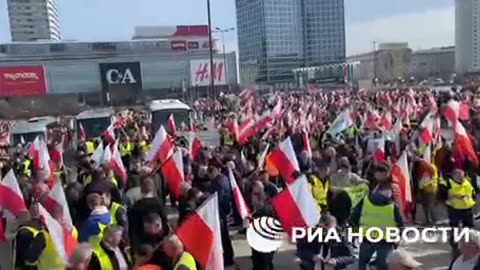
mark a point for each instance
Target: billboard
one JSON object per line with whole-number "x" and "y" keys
{"x": 200, "y": 72}
{"x": 178, "y": 45}
{"x": 125, "y": 74}
{"x": 22, "y": 81}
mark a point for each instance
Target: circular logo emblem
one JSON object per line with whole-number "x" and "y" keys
{"x": 265, "y": 234}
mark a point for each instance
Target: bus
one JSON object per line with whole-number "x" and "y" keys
{"x": 94, "y": 121}
{"x": 28, "y": 130}
{"x": 161, "y": 109}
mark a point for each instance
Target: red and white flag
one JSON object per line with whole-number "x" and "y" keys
{"x": 171, "y": 125}
{"x": 200, "y": 234}
{"x": 295, "y": 206}
{"x": 451, "y": 112}
{"x": 284, "y": 159}
{"x": 56, "y": 201}
{"x": 306, "y": 143}
{"x": 11, "y": 197}
{"x": 33, "y": 147}
{"x": 172, "y": 170}
{"x": 58, "y": 234}
{"x": 97, "y": 156}
{"x": 242, "y": 207}
{"x": 401, "y": 174}
{"x": 109, "y": 134}
{"x": 82, "y": 133}
{"x": 379, "y": 152}
{"x": 43, "y": 163}
{"x": 106, "y": 157}
{"x": 194, "y": 145}
{"x": 426, "y": 129}
{"x": 117, "y": 164}
{"x": 463, "y": 147}
{"x": 161, "y": 148}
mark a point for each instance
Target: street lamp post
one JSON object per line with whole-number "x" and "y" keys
{"x": 222, "y": 32}
{"x": 210, "y": 41}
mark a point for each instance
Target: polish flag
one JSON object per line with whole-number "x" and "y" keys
{"x": 117, "y": 164}
{"x": 83, "y": 135}
{"x": 200, "y": 234}
{"x": 58, "y": 235}
{"x": 106, "y": 157}
{"x": 171, "y": 125}
{"x": 109, "y": 134}
{"x": 306, "y": 143}
{"x": 386, "y": 120}
{"x": 401, "y": 174}
{"x": 242, "y": 207}
{"x": 464, "y": 111}
{"x": 56, "y": 201}
{"x": 97, "y": 156}
{"x": 426, "y": 128}
{"x": 379, "y": 152}
{"x": 284, "y": 159}
{"x": 33, "y": 148}
{"x": 194, "y": 145}
{"x": 56, "y": 153}
{"x": 44, "y": 163}
{"x": 463, "y": 147}
{"x": 161, "y": 148}
{"x": 263, "y": 156}
{"x": 172, "y": 170}
{"x": 11, "y": 197}
{"x": 451, "y": 111}
{"x": 295, "y": 206}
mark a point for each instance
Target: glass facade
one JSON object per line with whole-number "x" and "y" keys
{"x": 277, "y": 36}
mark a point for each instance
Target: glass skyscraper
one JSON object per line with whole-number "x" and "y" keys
{"x": 277, "y": 36}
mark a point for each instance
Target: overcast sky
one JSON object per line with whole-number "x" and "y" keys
{"x": 422, "y": 23}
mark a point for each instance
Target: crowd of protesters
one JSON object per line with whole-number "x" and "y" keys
{"x": 342, "y": 141}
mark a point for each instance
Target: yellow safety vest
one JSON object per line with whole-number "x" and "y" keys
{"x": 228, "y": 139}
{"x": 377, "y": 216}
{"x": 460, "y": 194}
{"x": 319, "y": 191}
{"x": 357, "y": 193}
{"x": 125, "y": 149}
{"x": 26, "y": 170}
{"x": 49, "y": 258}
{"x": 103, "y": 258}
{"x": 90, "y": 147}
{"x": 75, "y": 233}
{"x": 144, "y": 146}
{"x": 113, "y": 212}
{"x": 186, "y": 260}
{"x": 95, "y": 240}
{"x": 430, "y": 184}
{"x": 87, "y": 180}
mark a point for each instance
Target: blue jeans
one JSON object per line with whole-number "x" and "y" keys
{"x": 366, "y": 251}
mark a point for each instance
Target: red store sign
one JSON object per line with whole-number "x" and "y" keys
{"x": 22, "y": 81}
{"x": 178, "y": 45}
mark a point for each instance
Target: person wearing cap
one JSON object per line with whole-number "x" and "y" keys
{"x": 378, "y": 210}
{"x": 182, "y": 260}
{"x": 469, "y": 253}
{"x": 109, "y": 254}
{"x": 401, "y": 260}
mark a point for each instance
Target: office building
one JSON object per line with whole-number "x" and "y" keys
{"x": 32, "y": 20}
{"x": 389, "y": 63}
{"x": 467, "y": 42}
{"x": 432, "y": 64}
{"x": 277, "y": 36}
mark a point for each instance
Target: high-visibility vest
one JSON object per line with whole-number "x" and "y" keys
{"x": 103, "y": 259}
{"x": 113, "y": 212}
{"x": 125, "y": 149}
{"x": 34, "y": 232}
{"x": 378, "y": 216}
{"x": 144, "y": 146}
{"x": 26, "y": 168}
{"x": 49, "y": 260}
{"x": 186, "y": 260}
{"x": 227, "y": 139}
{"x": 75, "y": 233}
{"x": 90, "y": 147}
{"x": 95, "y": 240}
{"x": 88, "y": 179}
{"x": 319, "y": 191}
{"x": 460, "y": 194}
{"x": 430, "y": 184}
{"x": 357, "y": 193}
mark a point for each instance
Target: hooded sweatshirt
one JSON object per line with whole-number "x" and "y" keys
{"x": 90, "y": 226}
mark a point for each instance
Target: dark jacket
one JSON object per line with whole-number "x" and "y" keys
{"x": 221, "y": 185}
{"x": 95, "y": 263}
{"x": 29, "y": 248}
{"x": 342, "y": 252}
{"x": 476, "y": 267}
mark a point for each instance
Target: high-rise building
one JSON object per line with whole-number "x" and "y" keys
{"x": 277, "y": 36}
{"x": 32, "y": 20}
{"x": 467, "y": 41}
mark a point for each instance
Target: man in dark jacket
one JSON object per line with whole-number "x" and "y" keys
{"x": 220, "y": 184}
